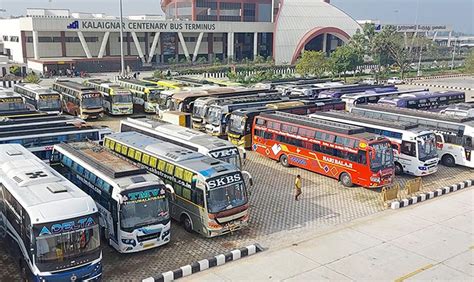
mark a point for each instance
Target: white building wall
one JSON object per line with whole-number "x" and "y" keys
{"x": 9, "y": 28}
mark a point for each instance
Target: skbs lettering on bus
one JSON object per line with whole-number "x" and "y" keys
{"x": 225, "y": 180}
{"x": 224, "y": 153}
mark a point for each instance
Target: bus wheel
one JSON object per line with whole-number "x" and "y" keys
{"x": 346, "y": 179}
{"x": 448, "y": 160}
{"x": 188, "y": 226}
{"x": 398, "y": 169}
{"x": 284, "y": 161}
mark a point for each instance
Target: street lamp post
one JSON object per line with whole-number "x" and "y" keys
{"x": 122, "y": 60}
{"x": 454, "y": 53}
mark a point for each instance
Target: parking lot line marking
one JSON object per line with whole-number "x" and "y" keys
{"x": 414, "y": 273}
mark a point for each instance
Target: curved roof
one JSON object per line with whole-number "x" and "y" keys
{"x": 298, "y": 21}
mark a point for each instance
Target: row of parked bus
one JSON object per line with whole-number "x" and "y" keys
{"x": 138, "y": 180}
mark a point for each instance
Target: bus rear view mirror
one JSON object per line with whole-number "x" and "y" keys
{"x": 249, "y": 176}
{"x": 170, "y": 190}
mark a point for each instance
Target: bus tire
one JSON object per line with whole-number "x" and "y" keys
{"x": 284, "y": 160}
{"x": 346, "y": 179}
{"x": 448, "y": 160}
{"x": 398, "y": 169}
{"x": 187, "y": 224}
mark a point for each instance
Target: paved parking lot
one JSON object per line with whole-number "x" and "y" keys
{"x": 276, "y": 219}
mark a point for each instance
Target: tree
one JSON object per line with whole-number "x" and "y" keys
{"x": 394, "y": 42}
{"x": 32, "y": 78}
{"x": 15, "y": 70}
{"x": 312, "y": 63}
{"x": 373, "y": 46}
{"x": 345, "y": 58}
{"x": 469, "y": 63}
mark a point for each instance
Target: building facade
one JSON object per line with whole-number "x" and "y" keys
{"x": 191, "y": 30}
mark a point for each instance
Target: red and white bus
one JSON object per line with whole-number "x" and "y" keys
{"x": 337, "y": 150}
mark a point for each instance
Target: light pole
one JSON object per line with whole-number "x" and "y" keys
{"x": 454, "y": 53}
{"x": 122, "y": 60}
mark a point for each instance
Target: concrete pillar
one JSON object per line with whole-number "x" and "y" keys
{"x": 63, "y": 43}
{"x": 449, "y": 38}
{"x": 255, "y": 45}
{"x": 183, "y": 45}
{"x": 137, "y": 45}
{"x": 230, "y": 46}
{"x": 35, "y": 45}
{"x": 84, "y": 44}
{"x": 325, "y": 43}
{"x": 153, "y": 47}
{"x": 103, "y": 44}
{"x": 198, "y": 45}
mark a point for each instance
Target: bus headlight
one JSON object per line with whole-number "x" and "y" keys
{"x": 164, "y": 234}
{"x": 375, "y": 179}
{"x": 129, "y": 242}
{"x": 422, "y": 168}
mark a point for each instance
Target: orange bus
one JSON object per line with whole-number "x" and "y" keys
{"x": 337, "y": 150}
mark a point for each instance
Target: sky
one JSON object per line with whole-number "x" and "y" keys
{"x": 457, "y": 13}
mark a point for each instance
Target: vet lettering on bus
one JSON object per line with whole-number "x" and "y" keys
{"x": 224, "y": 180}
{"x": 337, "y": 162}
{"x": 68, "y": 226}
{"x": 224, "y": 153}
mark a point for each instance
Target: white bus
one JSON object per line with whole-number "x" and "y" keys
{"x": 415, "y": 147}
{"x": 11, "y": 101}
{"x": 454, "y": 135}
{"x": 40, "y": 98}
{"x": 460, "y": 110}
{"x": 211, "y": 195}
{"x": 187, "y": 138}
{"x": 50, "y": 225}
{"x": 370, "y": 97}
{"x": 39, "y": 134}
{"x": 133, "y": 207}
{"x": 117, "y": 100}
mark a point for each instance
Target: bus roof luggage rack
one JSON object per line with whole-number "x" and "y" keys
{"x": 312, "y": 122}
{"x": 113, "y": 171}
{"x": 34, "y": 119}
{"x": 362, "y": 118}
{"x": 52, "y": 129}
{"x": 416, "y": 113}
{"x": 74, "y": 85}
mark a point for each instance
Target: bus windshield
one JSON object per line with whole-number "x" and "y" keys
{"x": 12, "y": 104}
{"x": 381, "y": 157}
{"x": 57, "y": 248}
{"x": 142, "y": 213}
{"x": 214, "y": 116}
{"x": 94, "y": 102}
{"x": 226, "y": 197}
{"x": 125, "y": 98}
{"x": 427, "y": 147}
{"x": 237, "y": 124}
{"x": 49, "y": 102}
{"x": 199, "y": 110}
{"x": 153, "y": 96}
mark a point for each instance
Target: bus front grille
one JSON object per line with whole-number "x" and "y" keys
{"x": 148, "y": 237}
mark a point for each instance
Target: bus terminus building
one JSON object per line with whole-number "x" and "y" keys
{"x": 190, "y": 29}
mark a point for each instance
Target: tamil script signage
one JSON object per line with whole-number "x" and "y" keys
{"x": 417, "y": 28}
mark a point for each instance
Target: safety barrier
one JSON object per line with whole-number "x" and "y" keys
{"x": 390, "y": 193}
{"x": 205, "y": 264}
{"x": 413, "y": 186}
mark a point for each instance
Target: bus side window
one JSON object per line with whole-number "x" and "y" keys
{"x": 198, "y": 197}
{"x": 362, "y": 157}
{"x": 408, "y": 148}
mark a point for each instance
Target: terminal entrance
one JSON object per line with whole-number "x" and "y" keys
{"x": 323, "y": 42}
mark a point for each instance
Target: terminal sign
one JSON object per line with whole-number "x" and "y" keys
{"x": 141, "y": 25}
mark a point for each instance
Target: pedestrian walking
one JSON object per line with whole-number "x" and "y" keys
{"x": 297, "y": 187}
